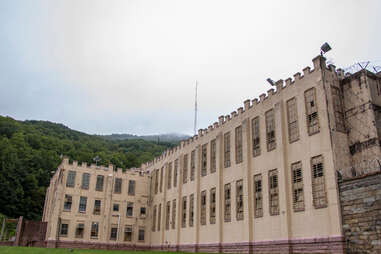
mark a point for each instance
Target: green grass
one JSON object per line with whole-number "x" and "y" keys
{"x": 33, "y": 250}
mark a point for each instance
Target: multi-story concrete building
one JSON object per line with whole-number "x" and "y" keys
{"x": 261, "y": 179}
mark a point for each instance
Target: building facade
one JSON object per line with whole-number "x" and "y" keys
{"x": 262, "y": 179}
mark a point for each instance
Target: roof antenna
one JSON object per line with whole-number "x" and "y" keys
{"x": 195, "y": 111}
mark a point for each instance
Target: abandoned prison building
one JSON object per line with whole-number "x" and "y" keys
{"x": 295, "y": 171}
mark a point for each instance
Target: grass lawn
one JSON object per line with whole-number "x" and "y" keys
{"x": 33, "y": 250}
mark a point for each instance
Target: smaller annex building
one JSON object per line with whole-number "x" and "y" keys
{"x": 263, "y": 179}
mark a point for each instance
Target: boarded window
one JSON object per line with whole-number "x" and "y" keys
{"x": 161, "y": 179}
{"x": 213, "y": 152}
{"x": 128, "y": 233}
{"x": 292, "y": 117}
{"x": 191, "y": 210}
{"x": 185, "y": 169}
{"x": 256, "y": 136}
{"x": 169, "y": 176}
{"x": 193, "y": 164}
{"x": 227, "y": 150}
{"x": 311, "y": 111}
{"x": 64, "y": 229}
{"x": 94, "y": 229}
{"x": 203, "y": 208}
{"x": 204, "y": 155}
{"x": 131, "y": 187}
{"x": 227, "y": 205}
{"x": 97, "y": 207}
{"x": 85, "y": 181}
{"x": 318, "y": 182}
{"x": 173, "y": 214}
{"x": 154, "y": 218}
{"x": 68, "y": 202}
{"x": 270, "y": 130}
{"x": 258, "y": 200}
{"x": 130, "y": 209}
{"x": 167, "y": 214}
{"x": 273, "y": 192}
{"x": 99, "y": 183}
{"x": 239, "y": 200}
{"x": 82, "y": 204}
{"x": 212, "y": 208}
{"x": 184, "y": 212}
{"x": 297, "y": 187}
{"x": 70, "y": 181}
{"x": 141, "y": 234}
{"x": 156, "y": 181}
{"x": 238, "y": 145}
{"x": 175, "y": 173}
{"x": 118, "y": 185}
{"x": 79, "y": 230}
{"x": 337, "y": 100}
{"x": 159, "y": 219}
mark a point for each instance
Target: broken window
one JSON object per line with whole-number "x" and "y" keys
{"x": 185, "y": 169}
{"x": 167, "y": 214}
{"x": 174, "y": 214}
{"x": 238, "y": 145}
{"x": 213, "y": 151}
{"x": 227, "y": 207}
{"x": 82, "y": 204}
{"x": 130, "y": 209}
{"x": 114, "y": 232}
{"x": 212, "y": 212}
{"x": 131, "y": 187}
{"x": 227, "y": 150}
{"x": 79, "y": 230}
{"x": 85, "y": 181}
{"x": 99, "y": 183}
{"x": 203, "y": 208}
{"x": 161, "y": 179}
{"x": 175, "y": 173}
{"x": 258, "y": 201}
{"x": 64, "y": 229}
{"x": 204, "y": 155}
{"x": 273, "y": 192}
{"x": 142, "y": 212}
{"x": 128, "y": 233}
{"x": 318, "y": 182}
{"x": 141, "y": 234}
{"x": 94, "y": 230}
{"x": 292, "y": 117}
{"x": 97, "y": 207}
{"x": 270, "y": 130}
{"x": 297, "y": 187}
{"x": 159, "y": 219}
{"x": 193, "y": 164}
{"x": 68, "y": 202}
{"x": 256, "y": 136}
{"x": 118, "y": 185}
{"x": 70, "y": 181}
{"x": 115, "y": 207}
{"x": 311, "y": 111}
{"x": 337, "y": 100}
{"x": 239, "y": 199}
{"x": 191, "y": 210}
{"x": 169, "y": 177}
{"x": 156, "y": 181}
{"x": 184, "y": 212}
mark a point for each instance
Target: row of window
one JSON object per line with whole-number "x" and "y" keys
{"x": 97, "y": 206}
{"x": 94, "y": 231}
{"x": 319, "y": 197}
{"x": 70, "y": 182}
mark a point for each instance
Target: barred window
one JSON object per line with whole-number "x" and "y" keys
{"x": 118, "y": 185}
{"x": 79, "y": 230}
{"x": 227, "y": 206}
{"x": 184, "y": 212}
{"x": 319, "y": 194}
{"x": 185, "y": 169}
{"x": 169, "y": 177}
{"x": 99, "y": 183}
{"x": 130, "y": 209}
{"x": 82, "y": 204}
{"x": 97, "y": 207}
{"x": 191, "y": 210}
{"x": 292, "y": 117}
{"x": 70, "y": 181}
{"x": 256, "y": 136}
{"x": 239, "y": 199}
{"x": 167, "y": 214}
{"x": 154, "y": 218}
{"x": 337, "y": 100}
{"x": 114, "y": 232}
{"x": 68, "y": 202}
{"x": 161, "y": 179}
{"x": 258, "y": 200}
{"x": 270, "y": 130}
{"x": 156, "y": 181}
{"x": 141, "y": 234}
{"x": 64, "y": 229}
{"x": 175, "y": 173}
{"x": 174, "y": 214}
{"x": 128, "y": 233}
{"x": 227, "y": 149}
{"x": 238, "y": 145}
{"x": 311, "y": 111}
{"x": 131, "y": 187}
{"x": 193, "y": 164}
{"x": 203, "y": 208}
{"x": 273, "y": 192}
{"x": 159, "y": 219}
{"x": 94, "y": 229}
{"x": 213, "y": 151}
{"x": 85, "y": 181}
{"x": 297, "y": 186}
{"x": 212, "y": 212}
{"x": 204, "y": 154}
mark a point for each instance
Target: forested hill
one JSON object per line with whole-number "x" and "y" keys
{"x": 30, "y": 151}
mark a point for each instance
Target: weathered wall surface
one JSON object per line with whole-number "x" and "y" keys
{"x": 361, "y": 213}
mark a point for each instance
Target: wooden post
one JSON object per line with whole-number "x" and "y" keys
{"x": 18, "y": 231}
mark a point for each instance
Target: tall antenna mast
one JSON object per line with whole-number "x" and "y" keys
{"x": 195, "y": 111}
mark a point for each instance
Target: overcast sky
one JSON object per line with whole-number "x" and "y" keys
{"x": 130, "y": 66}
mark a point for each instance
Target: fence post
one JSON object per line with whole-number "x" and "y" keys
{"x": 18, "y": 231}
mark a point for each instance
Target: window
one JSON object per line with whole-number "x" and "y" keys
{"x": 167, "y": 214}
{"x": 337, "y": 100}
{"x": 70, "y": 181}
{"x": 174, "y": 214}
{"x": 270, "y": 130}
{"x": 204, "y": 154}
{"x": 227, "y": 207}
{"x": 128, "y": 233}
{"x": 213, "y": 151}
{"x": 311, "y": 111}
{"x": 184, "y": 212}
{"x": 239, "y": 200}
{"x": 169, "y": 179}
{"x": 175, "y": 173}
{"x": 203, "y": 208}
{"x": 142, "y": 212}
{"x": 193, "y": 164}
{"x": 273, "y": 192}
{"x": 85, "y": 181}
{"x": 161, "y": 179}
{"x": 238, "y": 145}
{"x": 115, "y": 207}
{"x": 191, "y": 210}
{"x": 154, "y": 218}
{"x": 82, "y": 204}
{"x": 130, "y": 209}
{"x": 212, "y": 212}
{"x": 297, "y": 187}
{"x": 159, "y": 219}
{"x": 79, "y": 230}
{"x": 64, "y": 229}
{"x": 118, "y": 185}
{"x": 258, "y": 203}
{"x": 141, "y": 234}
{"x": 68, "y": 202}
{"x": 97, "y": 207}
{"x": 114, "y": 232}
{"x": 292, "y": 118}
{"x": 99, "y": 184}
{"x": 185, "y": 169}
{"x": 156, "y": 181}
{"x": 256, "y": 136}
{"x": 318, "y": 182}
{"x": 131, "y": 187}
{"x": 94, "y": 230}
{"x": 227, "y": 150}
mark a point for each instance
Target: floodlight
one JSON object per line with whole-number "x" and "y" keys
{"x": 270, "y": 81}
{"x": 325, "y": 48}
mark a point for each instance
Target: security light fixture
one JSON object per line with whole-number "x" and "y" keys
{"x": 325, "y": 48}
{"x": 270, "y": 81}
